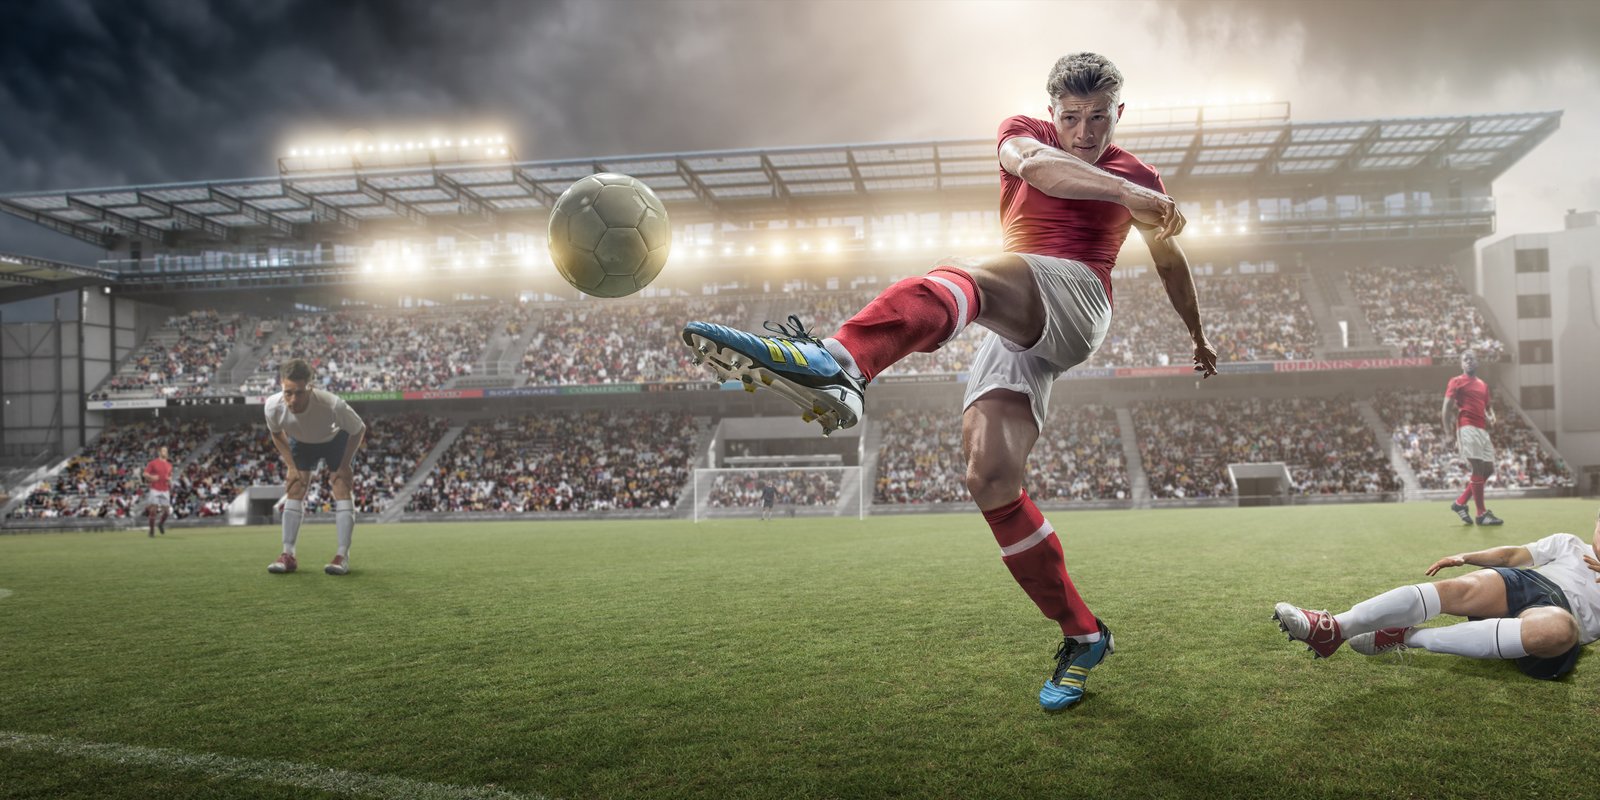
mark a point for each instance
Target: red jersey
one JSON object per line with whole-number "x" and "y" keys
{"x": 1472, "y": 397}
{"x": 1091, "y": 231}
{"x": 163, "y": 472}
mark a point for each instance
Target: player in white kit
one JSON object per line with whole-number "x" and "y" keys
{"x": 309, "y": 426}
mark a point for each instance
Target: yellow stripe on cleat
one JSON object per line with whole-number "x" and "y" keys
{"x": 773, "y": 350}
{"x": 795, "y": 351}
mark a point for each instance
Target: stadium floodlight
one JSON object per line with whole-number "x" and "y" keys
{"x": 293, "y": 152}
{"x": 727, "y": 249}
{"x": 750, "y": 250}
{"x": 482, "y": 262}
{"x": 779, "y": 250}
{"x": 902, "y": 243}
{"x": 1243, "y": 230}
{"x": 830, "y": 246}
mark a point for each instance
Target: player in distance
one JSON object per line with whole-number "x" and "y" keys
{"x": 1537, "y": 604}
{"x": 158, "y": 474}
{"x": 1068, "y": 196}
{"x": 311, "y": 426}
{"x": 1467, "y": 415}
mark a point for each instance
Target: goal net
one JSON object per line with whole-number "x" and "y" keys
{"x": 797, "y": 492}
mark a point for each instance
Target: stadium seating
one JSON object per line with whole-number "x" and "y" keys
{"x": 1423, "y": 311}
{"x": 622, "y": 342}
{"x": 1186, "y": 446}
{"x": 577, "y": 461}
{"x": 1521, "y": 461}
{"x": 1246, "y": 317}
{"x": 106, "y": 480}
{"x": 179, "y": 359}
{"x": 1077, "y": 457}
{"x": 794, "y": 488}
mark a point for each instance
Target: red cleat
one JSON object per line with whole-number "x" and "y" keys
{"x": 285, "y": 563}
{"x": 1318, "y": 629}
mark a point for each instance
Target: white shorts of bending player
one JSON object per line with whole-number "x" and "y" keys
{"x": 1473, "y": 443}
{"x": 1077, "y": 315}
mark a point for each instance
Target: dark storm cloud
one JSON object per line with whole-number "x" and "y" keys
{"x": 1455, "y": 44}
{"x": 122, "y": 92}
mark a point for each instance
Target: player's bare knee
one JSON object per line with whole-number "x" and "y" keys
{"x": 992, "y": 485}
{"x": 1548, "y": 631}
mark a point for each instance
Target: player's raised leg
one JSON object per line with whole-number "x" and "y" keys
{"x": 998, "y": 431}
{"x": 826, "y": 377}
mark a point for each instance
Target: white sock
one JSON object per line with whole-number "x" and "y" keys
{"x": 1396, "y": 608}
{"x": 1486, "y": 638}
{"x": 293, "y": 512}
{"x": 1086, "y": 638}
{"x": 841, "y": 355}
{"x": 344, "y": 518}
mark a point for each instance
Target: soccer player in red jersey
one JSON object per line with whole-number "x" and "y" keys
{"x": 158, "y": 474}
{"x": 1068, "y": 197}
{"x": 1467, "y": 416}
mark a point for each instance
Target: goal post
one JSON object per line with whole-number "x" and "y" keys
{"x": 735, "y": 492}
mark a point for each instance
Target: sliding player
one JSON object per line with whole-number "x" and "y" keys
{"x": 1467, "y": 416}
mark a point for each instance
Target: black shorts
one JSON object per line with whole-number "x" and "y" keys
{"x": 306, "y": 455}
{"x": 1525, "y": 589}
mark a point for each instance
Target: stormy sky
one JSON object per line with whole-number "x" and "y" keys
{"x": 135, "y": 91}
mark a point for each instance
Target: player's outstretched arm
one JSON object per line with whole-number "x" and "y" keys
{"x": 1508, "y": 556}
{"x": 1061, "y": 174}
{"x": 1173, "y": 267}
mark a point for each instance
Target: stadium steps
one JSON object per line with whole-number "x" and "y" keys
{"x": 1397, "y": 459}
{"x": 684, "y": 507}
{"x": 397, "y": 504}
{"x": 251, "y": 361}
{"x": 1321, "y": 313}
{"x": 1138, "y": 481}
{"x": 511, "y": 360}
{"x": 1545, "y": 444}
{"x": 1334, "y": 285}
{"x": 849, "y": 487}
{"x": 239, "y": 351}
{"x": 871, "y": 449}
{"x": 39, "y": 470}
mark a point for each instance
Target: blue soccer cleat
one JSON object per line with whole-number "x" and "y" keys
{"x": 1073, "y": 662}
{"x": 792, "y": 363}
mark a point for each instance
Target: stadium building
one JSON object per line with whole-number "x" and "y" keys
{"x": 1336, "y": 265}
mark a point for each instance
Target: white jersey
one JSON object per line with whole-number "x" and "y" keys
{"x": 1559, "y": 557}
{"x": 322, "y": 420}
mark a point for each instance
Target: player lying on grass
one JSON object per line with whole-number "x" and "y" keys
{"x": 311, "y": 426}
{"x": 1537, "y": 604}
{"x": 1068, "y": 197}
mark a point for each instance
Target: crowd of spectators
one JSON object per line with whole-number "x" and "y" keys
{"x": 1246, "y": 317}
{"x": 630, "y": 341}
{"x": 1521, "y": 462}
{"x": 796, "y": 487}
{"x": 107, "y": 479}
{"x": 1423, "y": 311}
{"x": 179, "y": 365}
{"x": 1187, "y": 446}
{"x": 242, "y": 457}
{"x": 1078, "y": 457}
{"x": 384, "y": 351}
{"x": 571, "y": 461}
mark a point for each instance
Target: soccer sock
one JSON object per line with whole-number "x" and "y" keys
{"x": 344, "y": 518}
{"x": 1466, "y": 493}
{"x": 293, "y": 511}
{"x": 1486, "y": 638}
{"x": 917, "y": 315}
{"x": 1477, "y": 493}
{"x": 1396, "y": 608}
{"x": 1030, "y": 549}
{"x": 165, "y": 510}
{"x": 150, "y": 515}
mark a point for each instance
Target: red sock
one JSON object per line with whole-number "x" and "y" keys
{"x": 164, "y": 511}
{"x": 1466, "y": 493}
{"x": 914, "y": 315}
{"x": 1030, "y": 549}
{"x": 1477, "y": 493}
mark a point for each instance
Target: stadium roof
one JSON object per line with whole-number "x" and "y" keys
{"x": 26, "y": 276}
{"x": 1194, "y": 155}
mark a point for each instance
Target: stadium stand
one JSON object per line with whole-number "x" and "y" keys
{"x": 1077, "y": 457}
{"x": 1521, "y": 461}
{"x": 361, "y": 351}
{"x": 106, "y": 480}
{"x": 578, "y": 461}
{"x": 1423, "y": 311}
{"x": 794, "y": 488}
{"x": 622, "y": 342}
{"x": 179, "y": 359}
{"x": 1186, "y": 446}
{"x": 1247, "y": 318}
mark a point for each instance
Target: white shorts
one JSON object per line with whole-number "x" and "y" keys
{"x": 160, "y": 498}
{"x": 1077, "y": 315}
{"x": 1473, "y": 443}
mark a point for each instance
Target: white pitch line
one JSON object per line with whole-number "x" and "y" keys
{"x": 283, "y": 773}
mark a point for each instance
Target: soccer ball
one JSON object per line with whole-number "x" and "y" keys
{"x": 609, "y": 235}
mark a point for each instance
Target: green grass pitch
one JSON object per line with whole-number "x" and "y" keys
{"x": 888, "y": 658}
